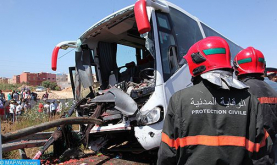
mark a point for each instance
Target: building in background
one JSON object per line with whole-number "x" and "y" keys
{"x": 63, "y": 80}
{"x": 35, "y": 79}
{"x": 43, "y": 76}
{"x": 4, "y": 80}
{"x": 51, "y": 77}
{"x": 61, "y": 77}
{"x": 10, "y": 81}
{"x": 16, "y": 79}
{"x": 29, "y": 78}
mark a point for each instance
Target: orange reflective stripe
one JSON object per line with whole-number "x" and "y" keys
{"x": 215, "y": 141}
{"x": 168, "y": 141}
{"x": 268, "y": 100}
{"x": 263, "y": 142}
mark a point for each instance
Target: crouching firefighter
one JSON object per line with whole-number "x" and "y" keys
{"x": 216, "y": 121}
{"x": 249, "y": 66}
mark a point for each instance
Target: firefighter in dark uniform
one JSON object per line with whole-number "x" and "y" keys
{"x": 249, "y": 66}
{"x": 216, "y": 121}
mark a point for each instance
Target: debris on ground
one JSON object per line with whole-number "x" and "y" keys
{"x": 127, "y": 159}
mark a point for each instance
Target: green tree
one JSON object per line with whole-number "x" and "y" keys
{"x": 50, "y": 85}
{"x": 57, "y": 88}
{"x": 46, "y": 84}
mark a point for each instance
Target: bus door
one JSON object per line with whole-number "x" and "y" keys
{"x": 83, "y": 76}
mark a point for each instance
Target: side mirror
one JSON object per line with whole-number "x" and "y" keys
{"x": 141, "y": 17}
{"x": 63, "y": 45}
{"x": 141, "y": 13}
{"x": 55, "y": 58}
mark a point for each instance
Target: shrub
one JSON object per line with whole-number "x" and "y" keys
{"x": 50, "y": 85}
{"x": 46, "y": 84}
{"x": 9, "y": 87}
{"x": 57, "y": 88}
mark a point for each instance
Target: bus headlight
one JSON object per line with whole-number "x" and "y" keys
{"x": 152, "y": 116}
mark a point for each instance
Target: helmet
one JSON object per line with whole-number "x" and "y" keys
{"x": 208, "y": 54}
{"x": 249, "y": 60}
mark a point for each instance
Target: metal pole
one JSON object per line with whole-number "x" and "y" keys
{"x": 44, "y": 126}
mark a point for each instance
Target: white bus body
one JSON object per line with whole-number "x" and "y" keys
{"x": 159, "y": 32}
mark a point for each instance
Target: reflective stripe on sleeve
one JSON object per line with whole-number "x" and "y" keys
{"x": 215, "y": 141}
{"x": 268, "y": 100}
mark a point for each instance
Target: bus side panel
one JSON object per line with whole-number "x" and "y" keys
{"x": 179, "y": 80}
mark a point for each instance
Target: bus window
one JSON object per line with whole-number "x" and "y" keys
{"x": 124, "y": 55}
{"x": 163, "y": 21}
{"x": 186, "y": 30}
{"x": 234, "y": 48}
{"x": 166, "y": 40}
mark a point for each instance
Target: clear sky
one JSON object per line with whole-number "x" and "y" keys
{"x": 30, "y": 29}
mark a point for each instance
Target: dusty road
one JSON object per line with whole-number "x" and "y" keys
{"x": 57, "y": 94}
{"x": 129, "y": 159}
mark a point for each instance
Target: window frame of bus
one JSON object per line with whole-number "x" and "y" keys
{"x": 234, "y": 48}
{"x": 172, "y": 22}
{"x": 168, "y": 31}
{"x": 191, "y": 28}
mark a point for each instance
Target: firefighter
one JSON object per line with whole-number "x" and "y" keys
{"x": 216, "y": 121}
{"x": 249, "y": 65}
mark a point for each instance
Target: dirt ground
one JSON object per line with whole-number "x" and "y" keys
{"x": 57, "y": 94}
{"x": 128, "y": 159}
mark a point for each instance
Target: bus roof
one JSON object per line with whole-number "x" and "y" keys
{"x": 93, "y": 31}
{"x": 89, "y": 32}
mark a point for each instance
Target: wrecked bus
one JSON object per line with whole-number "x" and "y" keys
{"x": 132, "y": 98}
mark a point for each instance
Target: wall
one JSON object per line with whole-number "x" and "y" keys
{"x": 16, "y": 79}
{"x": 4, "y": 80}
{"x": 62, "y": 81}
{"x": 34, "y": 79}
{"x": 51, "y": 77}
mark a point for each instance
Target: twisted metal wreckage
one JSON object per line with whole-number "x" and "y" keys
{"x": 107, "y": 117}
{"x": 126, "y": 112}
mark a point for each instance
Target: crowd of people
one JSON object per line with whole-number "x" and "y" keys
{"x": 16, "y": 103}
{"x": 53, "y": 107}
{"x": 221, "y": 119}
